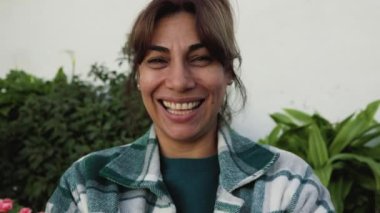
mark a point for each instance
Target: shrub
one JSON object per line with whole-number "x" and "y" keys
{"x": 345, "y": 155}
{"x": 47, "y": 125}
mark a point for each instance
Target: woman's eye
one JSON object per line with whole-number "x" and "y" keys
{"x": 156, "y": 63}
{"x": 201, "y": 60}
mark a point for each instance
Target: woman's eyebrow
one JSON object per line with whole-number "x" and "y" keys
{"x": 192, "y": 48}
{"x": 196, "y": 46}
{"x": 158, "y": 48}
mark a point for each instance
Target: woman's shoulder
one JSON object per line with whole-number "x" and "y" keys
{"x": 89, "y": 166}
{"x": 100, "y": 156}
{"x": 98, "y": 159}
{"x": 288, "y": 161}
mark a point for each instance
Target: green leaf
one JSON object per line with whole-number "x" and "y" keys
{"x": 371, "y": 163}
{"x": 317, "y": 151}
{"x": 339, "y": 191}
{"x": 295, "y": 140}
{"x": 280, "y": 118}
{"x": 324, "y": 173}
{"x": 353, "y": 128}
{"x": 371, "y": 152}
{"x": 274, "y": 135}
{"x": 60, "y": 76}
{"x": 302, "y": 117}
{"x": 372, "y": 108}
{"x": 368, "y": 137}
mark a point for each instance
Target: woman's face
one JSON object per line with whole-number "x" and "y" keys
{"x": 182, "y": 86}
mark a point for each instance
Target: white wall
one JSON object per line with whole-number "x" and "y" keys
{"x": 313, "y": 55}
{"x": 36, "y": 34}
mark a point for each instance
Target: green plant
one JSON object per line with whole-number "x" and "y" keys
{"x": 47, "y": 125}
{"x": 345, "y": 155}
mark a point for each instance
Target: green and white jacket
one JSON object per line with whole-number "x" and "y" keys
{"x": 253, "y": 178}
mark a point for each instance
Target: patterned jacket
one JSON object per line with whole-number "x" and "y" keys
{"x": 253, "y": 178}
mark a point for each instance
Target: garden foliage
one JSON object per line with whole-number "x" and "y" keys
{"x": 47, "y": 125}
{"x": 344, "y": 155}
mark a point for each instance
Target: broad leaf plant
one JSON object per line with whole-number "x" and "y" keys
{"x": 344, "y": 155}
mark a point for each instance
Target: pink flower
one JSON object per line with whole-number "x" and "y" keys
{"x": 6, "y": 205}
{"x": 25, "y": 210}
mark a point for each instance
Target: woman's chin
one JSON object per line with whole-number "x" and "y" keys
{"x": 182, "y": 133}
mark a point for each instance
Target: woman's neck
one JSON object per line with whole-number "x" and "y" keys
{"x": 205, "y": 146}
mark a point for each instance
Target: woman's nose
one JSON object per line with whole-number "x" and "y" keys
{"x": 180, "y": 77}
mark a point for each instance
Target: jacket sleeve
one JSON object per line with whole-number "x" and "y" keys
{"x": 61, "y": 201}
{"x": 292, "y": 186}
{"x": 311, "y": 196}
{"x": 68, "y": 197}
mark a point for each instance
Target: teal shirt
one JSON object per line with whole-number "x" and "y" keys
{"x": 192, "y": 183}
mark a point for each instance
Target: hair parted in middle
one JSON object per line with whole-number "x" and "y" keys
{"x": 215, "y": 28}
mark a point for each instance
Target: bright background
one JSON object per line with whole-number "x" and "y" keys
{"x": 312, "y": 55}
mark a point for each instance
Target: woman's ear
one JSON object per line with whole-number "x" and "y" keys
{"x": 229, "y": 77}
{"x": 137, "y": 77}
{"x": 230, "y": 81}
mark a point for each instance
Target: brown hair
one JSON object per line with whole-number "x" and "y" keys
{"x": 214, "y": 23}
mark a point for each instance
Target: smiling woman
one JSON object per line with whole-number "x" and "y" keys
{"x": 183, "y": 88}
{"x": 182, "y": 54}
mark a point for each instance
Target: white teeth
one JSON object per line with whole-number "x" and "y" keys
{"x": 181, "y": 106}
{"x": 179, "y": 112}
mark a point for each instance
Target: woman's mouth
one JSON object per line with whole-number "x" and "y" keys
{"x": 180, "y": 108}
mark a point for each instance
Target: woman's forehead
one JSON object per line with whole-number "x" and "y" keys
{"x": 176, "y": 29}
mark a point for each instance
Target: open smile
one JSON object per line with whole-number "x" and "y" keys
{"x": 181, "y": 108}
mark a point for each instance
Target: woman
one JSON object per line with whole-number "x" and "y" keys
{"x": 182, "y": 54}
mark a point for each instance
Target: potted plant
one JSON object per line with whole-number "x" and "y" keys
{"x": 344, "y": 155}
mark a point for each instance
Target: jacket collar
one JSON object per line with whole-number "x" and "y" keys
{"x": 241, "y": 160}
{"x": 138, "y": 166}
